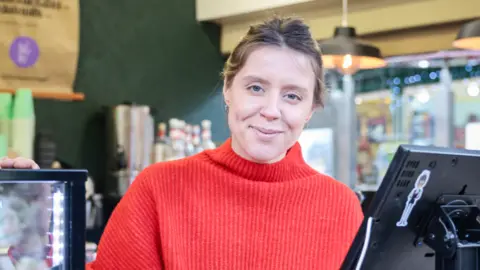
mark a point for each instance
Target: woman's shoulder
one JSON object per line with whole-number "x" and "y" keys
{"x": 335, "y": 187}
{"x": 189, "y": 163}
{"x": 342, "y": 199}
{"x": 174, "y": 170}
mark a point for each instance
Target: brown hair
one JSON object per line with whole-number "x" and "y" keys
{"x": 283, "y": 32}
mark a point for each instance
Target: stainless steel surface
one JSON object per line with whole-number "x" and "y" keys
{"x": 397, "y": 116}
{"x": 347, "y": 134}
{"x": 444, "y": 111}
{"x": 124, "y": 179}
{"x": 327, "y": 117}
{"x": 130, "y": 139}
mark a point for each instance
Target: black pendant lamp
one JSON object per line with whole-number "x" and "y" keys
{"x": 469, "y": 36}
{"x": 348, "y": 54}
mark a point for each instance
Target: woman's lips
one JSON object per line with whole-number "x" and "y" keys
{"x": 266, "y": 132}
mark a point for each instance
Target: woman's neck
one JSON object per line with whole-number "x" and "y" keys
{"x": 239, "y": 150}
{"x": 290, "y": 167}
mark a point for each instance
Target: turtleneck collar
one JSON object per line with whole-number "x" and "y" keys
{"x": 291, "y": 167}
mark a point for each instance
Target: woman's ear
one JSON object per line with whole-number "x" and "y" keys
{"x": 309, "y": 116}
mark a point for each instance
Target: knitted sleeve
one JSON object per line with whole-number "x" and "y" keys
{"x": 352, "y": 219}
{"x": 131, "y": 238}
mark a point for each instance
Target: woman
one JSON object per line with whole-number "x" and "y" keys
{"x": 252, "y": 203}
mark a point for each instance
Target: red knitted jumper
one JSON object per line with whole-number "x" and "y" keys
{"x": 216, "y": 210}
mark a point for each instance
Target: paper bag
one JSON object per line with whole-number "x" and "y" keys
{"x": 39, "y": 42}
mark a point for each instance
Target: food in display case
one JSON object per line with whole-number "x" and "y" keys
{"x": 366, "y": 169}
{"x": 42, "y": 219}
{"x": 375, "y": 127}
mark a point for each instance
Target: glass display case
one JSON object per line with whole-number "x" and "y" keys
{"x": 42, "y": 219}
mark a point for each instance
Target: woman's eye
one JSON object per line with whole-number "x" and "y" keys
{"x": 255, "y": 88}
{"x": 293, "y": 97}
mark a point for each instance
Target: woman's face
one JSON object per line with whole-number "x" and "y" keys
{"x": 270, "y": 100}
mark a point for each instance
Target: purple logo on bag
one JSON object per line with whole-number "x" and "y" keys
{"x": 24, "y": 52}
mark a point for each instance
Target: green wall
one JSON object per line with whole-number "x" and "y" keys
{"x": 151, "y": 52}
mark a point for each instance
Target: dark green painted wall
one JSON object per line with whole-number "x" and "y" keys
{"x": 151, "y": 52}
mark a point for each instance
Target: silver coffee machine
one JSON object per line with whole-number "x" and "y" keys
{"x": 130, "y": 138}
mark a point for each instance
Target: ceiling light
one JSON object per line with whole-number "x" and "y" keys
{"x": 469, "y": 36}
{"x": 346, "y": 53}
{"x": 423, "y": 64}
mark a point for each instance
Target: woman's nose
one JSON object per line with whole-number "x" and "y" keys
{"x": 270, "y": 109}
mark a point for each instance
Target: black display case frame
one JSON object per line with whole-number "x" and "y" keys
{"x": 74, "y": 206}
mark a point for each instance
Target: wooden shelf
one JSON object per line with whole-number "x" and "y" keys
{"x": 51, "y": 95}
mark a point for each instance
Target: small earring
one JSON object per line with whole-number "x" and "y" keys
{"x": 226, "y": 107}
